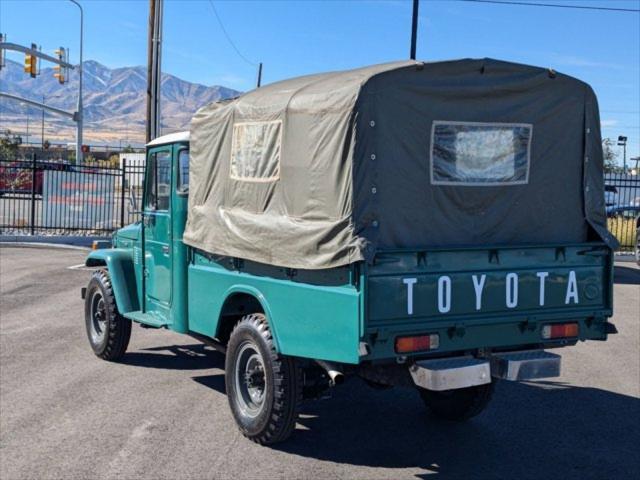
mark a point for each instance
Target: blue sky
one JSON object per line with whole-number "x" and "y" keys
{"x": 298, "y": 37}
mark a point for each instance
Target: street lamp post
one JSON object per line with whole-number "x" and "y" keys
{"x": 79, "y": 113}
{"x": 27, "y": 110}
{"x": 622, "y": 142}
{"x": 42, "y": 125}
{"x": 42, "y": 129}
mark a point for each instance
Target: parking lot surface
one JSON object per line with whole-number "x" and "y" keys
{"x": 162, "y": 412}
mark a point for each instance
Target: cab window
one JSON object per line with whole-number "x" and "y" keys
{"x": 183, "y": 171}
{"x": 158, "y": 181}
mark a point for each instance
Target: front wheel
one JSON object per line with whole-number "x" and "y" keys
{"x": 107, "y": 330}
{"x": 263, "y": 387}
{"x": 460, "y": 404}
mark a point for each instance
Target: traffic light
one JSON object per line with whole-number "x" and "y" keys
{"x": 31, "y": 62}
{"x": 60, "y": 71}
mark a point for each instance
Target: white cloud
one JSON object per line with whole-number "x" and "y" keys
{"x": 608, "y": 123}
{"x": 574, "y": 61}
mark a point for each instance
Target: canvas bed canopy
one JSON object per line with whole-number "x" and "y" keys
{"x": 324, "y": 170}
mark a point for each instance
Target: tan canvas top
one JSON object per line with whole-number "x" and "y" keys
{"x": 324, "y": 170}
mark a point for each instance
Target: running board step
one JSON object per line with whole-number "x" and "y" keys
{"x": 525, "y": 365}
{"x": 146, "y": 319}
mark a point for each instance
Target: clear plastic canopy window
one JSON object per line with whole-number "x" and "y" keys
{"x": 480, "y": 154}
{"x": 255, "y": 151}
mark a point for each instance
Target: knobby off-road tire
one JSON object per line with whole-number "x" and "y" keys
{"x": 263, "y": 387}
{"x": 460, "y": 404}
{"x": 107, "y": 330}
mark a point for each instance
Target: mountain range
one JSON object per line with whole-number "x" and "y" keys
{"x": 114, "y": 100}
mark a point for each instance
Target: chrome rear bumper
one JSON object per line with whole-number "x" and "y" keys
{"x": 526, "y": 365}
{"x": 450, "y": 373}
{"x": 461, "y": 372}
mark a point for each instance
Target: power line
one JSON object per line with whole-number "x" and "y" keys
{"x": 554, "y": 5}
{"x": 620, "y": 111}
{"x": 226, "y": 34}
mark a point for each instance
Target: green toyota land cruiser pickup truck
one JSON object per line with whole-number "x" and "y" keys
{"x": 439, "y": 226}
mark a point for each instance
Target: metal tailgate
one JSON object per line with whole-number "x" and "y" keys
{"x": 496, "y": 284}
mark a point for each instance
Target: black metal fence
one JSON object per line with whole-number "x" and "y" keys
{"x": 622, "y": 200}
{"x": 58, "y": 198}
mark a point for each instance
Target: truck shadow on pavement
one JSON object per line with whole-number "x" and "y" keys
{"x": 528, "y": 431}
{"x": 175, "y": 357}
{"x": 626, "y": 275}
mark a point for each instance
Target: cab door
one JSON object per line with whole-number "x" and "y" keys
{"x": 157, "y": 232}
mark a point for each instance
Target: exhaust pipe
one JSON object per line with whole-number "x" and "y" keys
{"x": 336, "y": 377}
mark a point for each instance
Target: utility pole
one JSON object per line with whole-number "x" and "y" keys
{"x": 150, "y": 35}
{"x": 154, "y": 69}
{"x": 414, "y": 29}
{"x": 259, "y": 82}
{"x": 80, "y": 113}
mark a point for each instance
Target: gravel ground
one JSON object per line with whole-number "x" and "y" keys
{"x": 162, "y": 413}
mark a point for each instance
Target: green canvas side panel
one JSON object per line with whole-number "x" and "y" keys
{"x": 307, "y": 320}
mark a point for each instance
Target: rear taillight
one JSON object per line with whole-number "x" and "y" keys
{"x": 560, "y": 330}
{"x": 417, "y": 343}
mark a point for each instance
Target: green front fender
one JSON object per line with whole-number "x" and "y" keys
{"x": 119, "y": 263}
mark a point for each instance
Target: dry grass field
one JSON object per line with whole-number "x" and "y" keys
{"x": 624, "y": 229}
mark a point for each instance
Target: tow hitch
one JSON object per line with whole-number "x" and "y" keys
{"x": 461, "y": 372}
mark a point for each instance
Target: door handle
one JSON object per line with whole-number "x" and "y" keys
{"x": 165, "y": 249}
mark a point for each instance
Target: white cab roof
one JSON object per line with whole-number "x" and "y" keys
{"x": 170, "y": 138}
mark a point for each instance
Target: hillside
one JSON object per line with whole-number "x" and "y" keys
{"x": 114, "y": 102}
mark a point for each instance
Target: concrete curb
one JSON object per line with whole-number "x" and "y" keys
{"x": 624, "y": 257}
{"x": 50, "y": 241}
{"x": 59, "y": 246}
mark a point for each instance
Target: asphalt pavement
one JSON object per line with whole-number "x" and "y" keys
{"x": 162, "y": 412}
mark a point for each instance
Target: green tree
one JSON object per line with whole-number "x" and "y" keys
{"x": 9, "y": 144}
{"x": 113, "y": 161}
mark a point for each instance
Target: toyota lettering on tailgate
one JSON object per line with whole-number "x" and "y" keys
{"x": 444, "y": 290}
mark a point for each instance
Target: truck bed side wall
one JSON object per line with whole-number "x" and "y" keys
{"x": 311, "y": 314}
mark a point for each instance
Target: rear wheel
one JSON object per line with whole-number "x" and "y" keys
{"x": 460, "y": 404}
{"x": 263, "y": 387}
{"x": 107, "y": 330}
